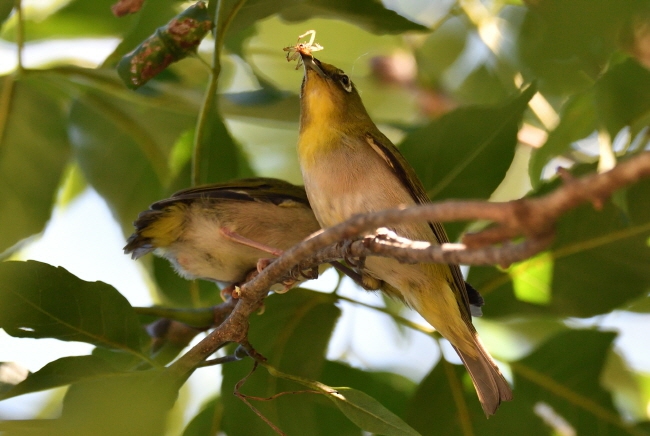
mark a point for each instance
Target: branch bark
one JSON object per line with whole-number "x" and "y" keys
{"x": 530, "y": 221}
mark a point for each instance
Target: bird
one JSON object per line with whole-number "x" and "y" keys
{"x": 219, "y": 232}
{"x": 349, "y": 167}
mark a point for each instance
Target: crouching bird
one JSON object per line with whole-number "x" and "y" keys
{"x": 350, "y": 167}
{"x": 219, "y": 232}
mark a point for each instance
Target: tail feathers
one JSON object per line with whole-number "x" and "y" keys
{"x": 491, "y": 387}
{"x": 138, "y": 244}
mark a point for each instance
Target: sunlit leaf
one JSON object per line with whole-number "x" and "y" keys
{"x": 532, "y": 279}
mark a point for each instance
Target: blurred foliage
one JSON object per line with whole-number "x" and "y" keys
{"x": 454, "y": 84}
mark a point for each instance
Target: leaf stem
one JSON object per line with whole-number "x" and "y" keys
{"x": 211, "y": 92}
{"x": 399, "y": 319}
{"x": 20, "y": 34}
{"x": 5, "y": 103}
{"x": 459, "y": 399}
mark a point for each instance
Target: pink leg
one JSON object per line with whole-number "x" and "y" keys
{"x": 236, "y": 237}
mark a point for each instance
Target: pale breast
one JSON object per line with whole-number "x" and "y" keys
{"x": 357, "y": 181}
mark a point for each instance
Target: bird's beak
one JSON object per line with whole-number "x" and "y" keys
{"x": 310, "y": 64}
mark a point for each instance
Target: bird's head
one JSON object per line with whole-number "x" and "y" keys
{"x": 328, "y": 97}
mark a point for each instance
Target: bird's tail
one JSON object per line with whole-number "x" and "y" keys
{"x": 491, "y": 387}
{"x": 155, "y": 228}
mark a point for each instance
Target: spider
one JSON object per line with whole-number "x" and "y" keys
{"x": 305, "y": 48}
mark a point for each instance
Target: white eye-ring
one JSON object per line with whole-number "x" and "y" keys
{"x": 346, "y": 83}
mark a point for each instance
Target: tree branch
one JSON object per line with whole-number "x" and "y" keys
{"x": 532, "y": 219}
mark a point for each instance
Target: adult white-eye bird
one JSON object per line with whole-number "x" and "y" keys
{"x": 350, "y": 167}
{"x": 219, "y": 232}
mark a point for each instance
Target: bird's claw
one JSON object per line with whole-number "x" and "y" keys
{"x": 353, "y": 261}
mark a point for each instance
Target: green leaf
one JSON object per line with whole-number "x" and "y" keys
{"x": 577, "y": 120}
{"x": 123, "y": 147}
{"x": 6, "y": 6}
{"x": 42, "y": 301}
{"x": 366, "y": 412}
{"x": 465, "y": 158}
{"x": 207, "y": 421}
{"x": 442, "y": 48}
{"x": 565, "y": 43}
{"x": 624, "y": 385}
{"x": 77, "y": 18}
{"x": 532, "y": 279}
{"x": 446, "y": 403}
{"x": 368, "y": 14}
{"x": 220, "y": 158}
{"x": 34, "y": 152}
{"x": 466, "y": 153}
{"x": 136, "y": 403}
{"x": 265, "y": 104}
{"x": 369, "y": 414}
{"x": 175, "y": 290}
{"x": 292, "y": 333}
{"x": 551, "y": 378}
{"x": 569, "y": 382}
{"x": 622, "y": 95}
{"x": 599, "y": 262}
{"x": 62, "y": 372}
{"x": 199, "y": 317}
{"x": 391, "y": 390}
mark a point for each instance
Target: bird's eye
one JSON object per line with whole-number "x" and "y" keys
{"x": 345, "y": 82}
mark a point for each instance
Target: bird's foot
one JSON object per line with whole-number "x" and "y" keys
{"x": 236, "y": 237}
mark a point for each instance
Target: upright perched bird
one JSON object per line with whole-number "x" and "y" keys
{"x": 350, "y": 167}
{"x": 219, "y": 232}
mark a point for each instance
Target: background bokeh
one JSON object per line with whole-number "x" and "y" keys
{"x": 484, "y": 98}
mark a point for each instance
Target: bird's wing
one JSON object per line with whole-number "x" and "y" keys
{"x": 405, "y": 173}
{"x": 259, "y": 189}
